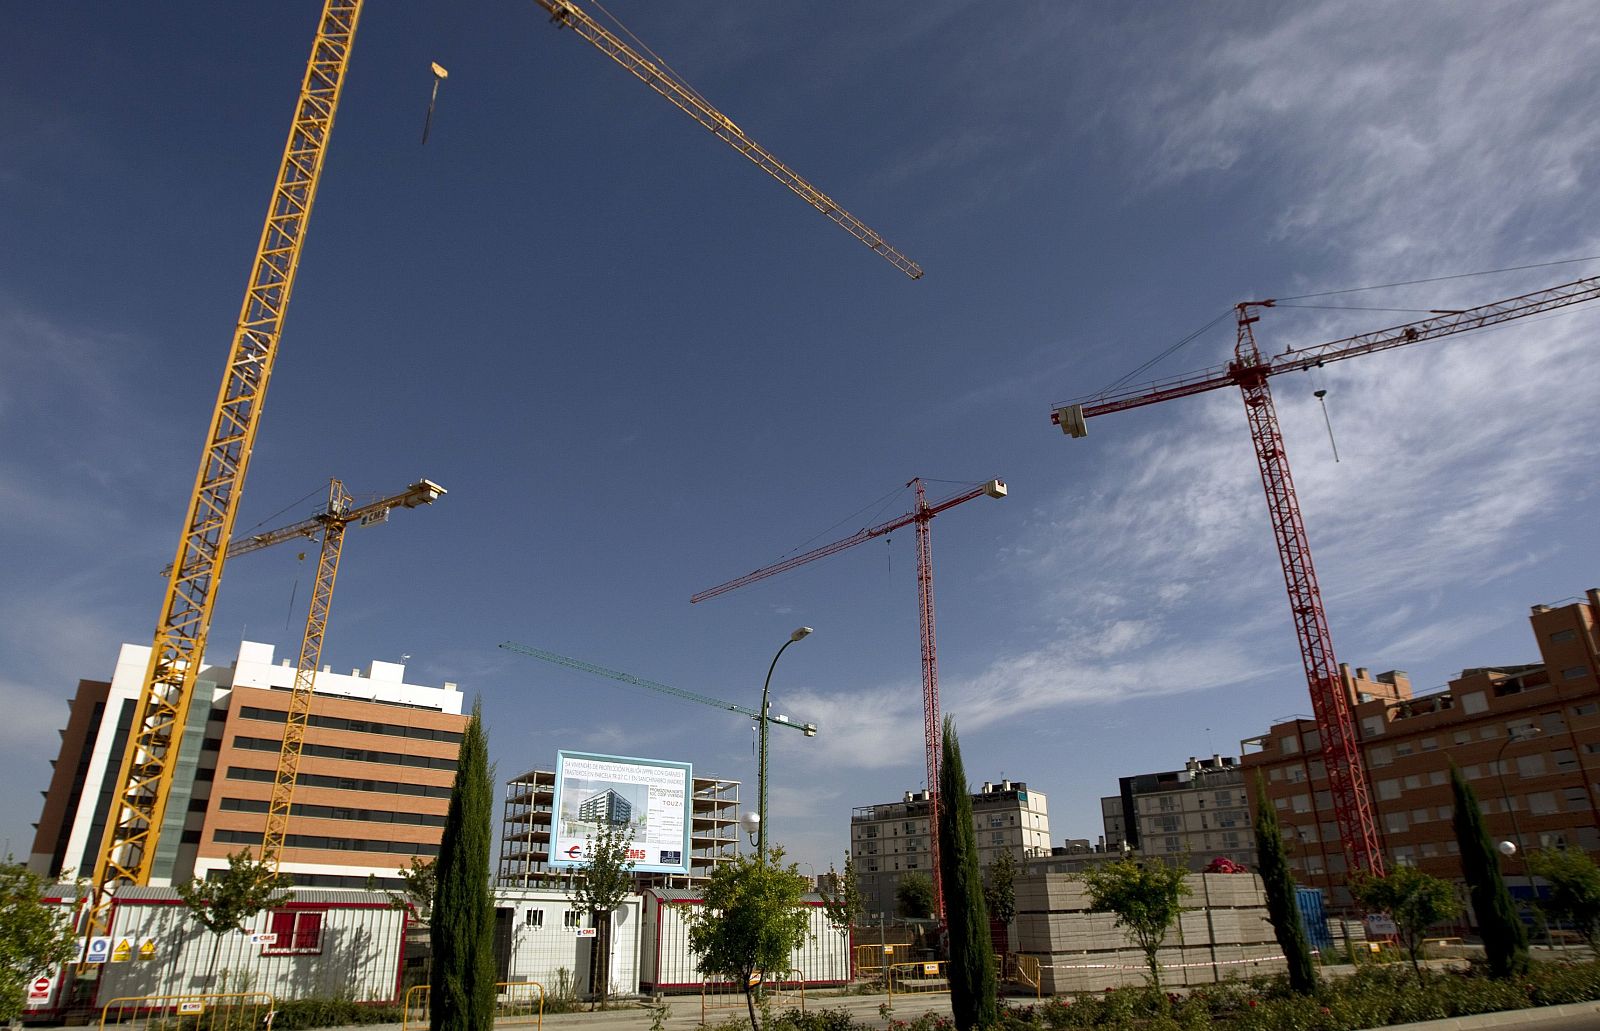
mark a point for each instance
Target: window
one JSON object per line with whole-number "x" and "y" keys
{"x": 1565, "y": 758}
{"x": 1403, "y": 748}
{"x": 1463, "y": 736}
{"x": 1552, "y": 722}
{"x": 535, "y": 918}
{"x": 1313, "y": 864}
{"x": 1576, "y": 798}
{"x": 1575, "y": 672}
{"x": 1302, "y": 803}
{"x": 1313, "y": 740}
{"x": 1296, "y": 774}
{"x": 1474, "y": 703}
{"x": 1395, "y": 822}
{"x": 1564, "y": 635}
{"x": 1380, "y": 756}
{"x": 1437, "y": 776}
{"x": 1420, "y": 816}
{"x": 1413, "y": 781}
{"x": 1318, "y": 770}
{"x": 298, "y": 931}
{"x": 1490, "y": 733}
{"x": 1429, "y": 744}
{"x": 1542, "y": 803}
{"x": 1172, "y": 844}
{"x": 1372, "y": 726}
{"x": 1586, "y": 709}
{"x": 570, "y": 918}
{"x": 1289, "y": 745}
{"x": 1530, "y": 765}
{"x": 1388, "y": 789}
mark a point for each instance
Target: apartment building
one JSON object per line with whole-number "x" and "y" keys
{"x": 1190, "y": 816}
{"x": 890, "y": 840}
{"x": 373, "y": 786}
{"x": 1526, "y": 735}
{"x": 526, "y": 823}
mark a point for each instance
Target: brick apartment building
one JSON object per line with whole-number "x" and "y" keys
{"x": 1527, "y": 737}
{"x": 373, "y": 786}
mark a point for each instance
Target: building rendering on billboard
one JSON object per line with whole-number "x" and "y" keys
{"x": 648, "y": 798}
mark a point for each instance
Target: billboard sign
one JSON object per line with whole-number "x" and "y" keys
{"x": 649, "y": 797}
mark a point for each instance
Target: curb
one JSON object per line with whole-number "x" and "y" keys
{"x": 1502, "y": 1018}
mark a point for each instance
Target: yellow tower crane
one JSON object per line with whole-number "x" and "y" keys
{"x": 330, "y": 524}
{"x": 144, "y": 778}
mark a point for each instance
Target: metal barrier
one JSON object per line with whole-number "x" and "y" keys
{"x": 226, "y": 1011}
{"x": 917, "y": 978}
{"x": 871, "y": 959}
{"x": 1023, "y": 970}
{"x": 515, "y": 1002}
{"x": 786, "y": 992}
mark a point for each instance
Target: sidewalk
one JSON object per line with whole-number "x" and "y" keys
{"x": 684, "y": 1015}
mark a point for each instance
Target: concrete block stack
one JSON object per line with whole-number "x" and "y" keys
{"x": 1223, "y": 932}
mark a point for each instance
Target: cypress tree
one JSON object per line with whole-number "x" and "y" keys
{"x": 1505, "y": 939}
{"x": 462, "y": 985}
{"x": 1283, "y": 908}
{"x": 971, "y": 968}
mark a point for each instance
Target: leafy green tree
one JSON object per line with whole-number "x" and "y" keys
{"x": 224, "y": 903}
{"x": 606, "y": 881}
{"x": 970, "y": 970}
{"x": 1146, "y": 896}
{"x": 1505, "y": 939}
{"x": 1414, "y": 900}
{"x": 35, "y": 938}
{"x": 841, "y": 895}
{"x": 913, "y": 896}
{"x": 1283, "y": 908}
{"x": 752, "y": 921}
{"x": 462, "y": 980}
{"x": 1574, "y": 890}
{"x": 421, "y": 886}
{"x": 1001, "y": 894}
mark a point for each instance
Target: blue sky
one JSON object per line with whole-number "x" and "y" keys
{"x": 642, "y": 368}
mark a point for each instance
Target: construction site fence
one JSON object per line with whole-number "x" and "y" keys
{"x": 1022, "y": 971}
{"x": 783, "y": 992}
{"x": 223, "y": 1011}
{"x": 515, "y": 1003}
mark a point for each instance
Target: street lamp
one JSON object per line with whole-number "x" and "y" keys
{"x": 761, "y": 773}
{"x": 1505, "y": 799}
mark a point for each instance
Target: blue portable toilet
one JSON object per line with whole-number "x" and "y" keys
{"x": 1314, "y": 918}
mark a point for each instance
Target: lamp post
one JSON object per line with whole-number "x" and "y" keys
{"x": 1505, "y": 798}
{"x": 761, "y": 773}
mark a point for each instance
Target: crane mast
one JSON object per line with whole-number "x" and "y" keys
{"x": 664, "y": 81}
{"x": 1330, "y": 703}
{"x": 1347, "y": 779}
{"x": 921, "y": 516}
{"x": 333, "y": 522}
{"x": 144, "y": 779}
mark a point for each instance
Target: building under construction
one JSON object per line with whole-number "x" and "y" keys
{"x": 371, "y": 791}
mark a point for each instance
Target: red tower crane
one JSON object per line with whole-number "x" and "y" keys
{"x": 922, "y": 515}
{"x": 1249, "y": 372}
